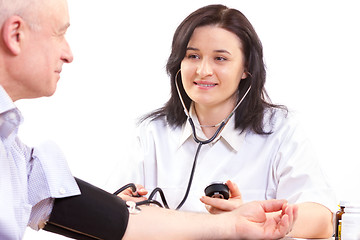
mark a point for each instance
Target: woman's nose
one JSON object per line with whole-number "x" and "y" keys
{"x": 204, "y": 68}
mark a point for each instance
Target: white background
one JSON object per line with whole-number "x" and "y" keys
{"x": 311, "y": 51}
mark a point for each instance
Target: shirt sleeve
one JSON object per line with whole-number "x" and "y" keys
{"x": 299, "y": 173}
{"x": 40, "y": 213}
{"x": 49, "y": 178}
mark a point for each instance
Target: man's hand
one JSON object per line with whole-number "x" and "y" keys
{"x": 270, "y": 219}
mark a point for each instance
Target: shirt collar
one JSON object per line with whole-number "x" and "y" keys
{"x": 229, "y": 134}
{"x": 10, "y": 116}
{"x": 6, "y": 103}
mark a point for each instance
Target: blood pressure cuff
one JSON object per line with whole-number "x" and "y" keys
{"x": 95, "y": 214}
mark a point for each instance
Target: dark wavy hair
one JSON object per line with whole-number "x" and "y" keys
{"x": 250, "y": 113}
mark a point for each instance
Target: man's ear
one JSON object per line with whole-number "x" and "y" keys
{"x": 12, "y": 34}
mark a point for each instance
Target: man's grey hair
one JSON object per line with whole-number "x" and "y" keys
{"x": 26, "y": 9}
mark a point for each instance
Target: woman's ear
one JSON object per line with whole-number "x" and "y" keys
{"x": 12, "y": 34}
{"x": 246, "y": 74}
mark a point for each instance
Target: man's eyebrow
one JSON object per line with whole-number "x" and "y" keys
{"x": 65, "y": 27}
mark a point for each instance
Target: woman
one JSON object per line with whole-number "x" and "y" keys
{"x": 216, "y": 69}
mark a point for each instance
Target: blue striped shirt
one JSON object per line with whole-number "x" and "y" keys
{"x": 30, "y": 178}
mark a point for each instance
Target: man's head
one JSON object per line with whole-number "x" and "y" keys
{"x": 33, "y": 47}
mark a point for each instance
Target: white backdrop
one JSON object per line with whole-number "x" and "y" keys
{"x": 311, "y": 51}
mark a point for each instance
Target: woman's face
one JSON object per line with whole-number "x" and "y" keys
{"x": 213, "y": 67}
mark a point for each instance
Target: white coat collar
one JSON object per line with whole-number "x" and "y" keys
{"x": 233, "y": 137}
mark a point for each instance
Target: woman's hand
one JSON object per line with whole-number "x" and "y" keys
{"x": 217, "y": 205}
{"x": 137, "y": 196}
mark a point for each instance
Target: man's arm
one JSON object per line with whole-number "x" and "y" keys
{"x": 249, "y": 221}
{"x": 314, "y": 220}
{"x": 96, "y": 214}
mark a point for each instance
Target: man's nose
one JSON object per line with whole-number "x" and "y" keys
{"x": 67, "y": 55}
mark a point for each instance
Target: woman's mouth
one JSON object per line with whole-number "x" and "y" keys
{"x": 205, "y": 85}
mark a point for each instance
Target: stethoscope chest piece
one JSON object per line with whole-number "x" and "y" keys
{"x": 217, "y": 190}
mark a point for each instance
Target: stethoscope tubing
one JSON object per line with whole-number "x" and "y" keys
{"x": 200, "y": 144}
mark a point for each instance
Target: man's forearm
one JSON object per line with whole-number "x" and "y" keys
{"x": 250, "y": 221}
{"x": 158, "y": 223}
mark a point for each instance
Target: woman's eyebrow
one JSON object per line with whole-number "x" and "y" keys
{"x": 217, "y": 51}
{"x": 222, "y": 51}
{"x": 192, "y": 48}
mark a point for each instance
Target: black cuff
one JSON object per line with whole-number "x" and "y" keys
{"x": 95, "y": 214}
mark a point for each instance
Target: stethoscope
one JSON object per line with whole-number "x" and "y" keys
{"x": 200, "y": 144}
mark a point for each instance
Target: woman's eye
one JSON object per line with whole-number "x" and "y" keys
{"x": 220, "y": 59}
{"x": 193, "y": 56}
